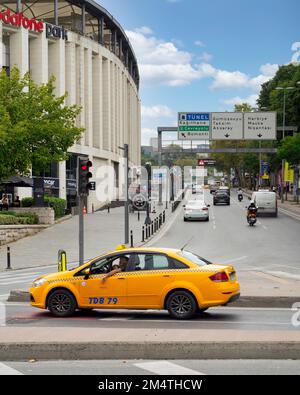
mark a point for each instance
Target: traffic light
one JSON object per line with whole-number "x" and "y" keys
{"x": 84, "y": 175}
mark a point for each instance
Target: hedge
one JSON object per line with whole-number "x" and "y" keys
{"x": 27, "y": 202}
{"x": 58, "y": 205}
{"x": 14, "y": 220}
{"x": 32, "y": 217}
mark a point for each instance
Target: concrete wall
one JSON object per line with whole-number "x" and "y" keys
{"x": 10, "y": 233}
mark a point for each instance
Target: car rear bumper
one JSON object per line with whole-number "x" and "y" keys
{"x": 196, "y": 216}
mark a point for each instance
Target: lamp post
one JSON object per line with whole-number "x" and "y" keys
{"x": 284, "y": 89}
{"x": 148, "y": 168}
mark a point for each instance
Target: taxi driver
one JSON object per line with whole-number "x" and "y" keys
{"x": 117, "y": 268}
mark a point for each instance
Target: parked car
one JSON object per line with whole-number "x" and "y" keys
{"x": 221, "y": 197}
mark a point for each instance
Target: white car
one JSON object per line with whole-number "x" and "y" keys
{"x": 197, "y": 189}
{"x": 266, "y": 202}
{"x": 196, "y": 210}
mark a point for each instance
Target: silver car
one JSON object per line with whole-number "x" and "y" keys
{"x": 196, "y": 210}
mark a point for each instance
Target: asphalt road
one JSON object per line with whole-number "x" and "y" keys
{"x": 148, "y": 368}
{"x": 271, "y": 246}
{"x": 230, "y": 318}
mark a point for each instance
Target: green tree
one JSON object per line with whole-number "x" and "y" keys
{"x": 36, "y": 127}
{"x": 290, "y": 150}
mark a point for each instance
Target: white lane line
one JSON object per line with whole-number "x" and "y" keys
{"x": 16, "y": 275}
{"x": 6, "y": 370}
{"x": 242, "y": 258}
{"x": 167, "y": 368}
{"x": 25, "y": 281}
{"x": 284, "y": 275}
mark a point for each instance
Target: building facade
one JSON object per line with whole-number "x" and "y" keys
{"x": 92, "y": 60}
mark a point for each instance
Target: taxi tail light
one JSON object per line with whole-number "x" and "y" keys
{"x": 219, "y": 277}
{"x": 205, "y": 209}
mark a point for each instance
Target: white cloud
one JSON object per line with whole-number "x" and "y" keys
{"x": 235, "y": 79}
{"x": 206, "y": 57}
{"x": 238, "y": 100}
{"x": 144, "y": 30}
{"x": 199, "y": 43}
{"x": 269, "y": 69}
{"x": 163, "y": 63}
{"x": 158, "y": 111}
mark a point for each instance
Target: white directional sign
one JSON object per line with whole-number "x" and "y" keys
{"x": 193, "y": 126}
{"x": 260, "y": 126}
{"x": 226, "y": 126}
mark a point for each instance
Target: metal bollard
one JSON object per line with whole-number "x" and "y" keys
{"x": 149, "y": 231}
{"x": 143, "y": 234}
{"x": 138, "y": 215}
{"x": 131, "y": 239}
{"x": 8, "y": 259}
{"x": 108, "y": 208}
{"x": 160, "y": 220}
{"x": 152, "y": 228}
{"x": 164, "y": 216}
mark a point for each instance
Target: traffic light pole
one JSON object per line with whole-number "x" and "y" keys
{"x": 81, "y": 230}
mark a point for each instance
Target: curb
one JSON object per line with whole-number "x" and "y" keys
{"x": 151, "y": 350}
{"x": 244, "y": 301}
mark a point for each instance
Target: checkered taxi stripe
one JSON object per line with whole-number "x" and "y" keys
{"x": 138, "y": 274}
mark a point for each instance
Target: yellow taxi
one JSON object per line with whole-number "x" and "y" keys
{"x": 152, "y": 278}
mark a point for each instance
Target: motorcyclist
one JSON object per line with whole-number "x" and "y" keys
{"x": 240, "y": 194}
{"x": 252, "y": 210}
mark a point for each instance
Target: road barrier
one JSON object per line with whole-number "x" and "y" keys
{"x": 8, "y": 267}
{"x": 62, "y": 261}
{"x": 150, "y": 229}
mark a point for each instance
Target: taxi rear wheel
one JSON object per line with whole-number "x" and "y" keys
{"x": 62, "y": 303}
{"x": 181, "y": 305}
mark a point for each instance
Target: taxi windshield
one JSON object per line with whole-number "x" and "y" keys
{"x": 194, "y": 258}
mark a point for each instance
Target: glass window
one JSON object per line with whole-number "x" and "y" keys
{"x": 148, "y": 262}
{"x": 194, "y": 258}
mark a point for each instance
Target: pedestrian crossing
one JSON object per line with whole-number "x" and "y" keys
{"x": 17, "y": 278}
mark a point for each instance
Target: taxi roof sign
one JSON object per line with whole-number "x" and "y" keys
{"x": 121, "y": 247}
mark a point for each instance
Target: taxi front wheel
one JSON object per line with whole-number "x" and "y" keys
{"x": 181, "y": 305}
{"x": 62, "y": 303}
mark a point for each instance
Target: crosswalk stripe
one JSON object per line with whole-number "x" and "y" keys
{"x": 13, "y": 275}
{"x": 6, "y": 370}
{"x": 24, "y": 281}
{"x": 167, "y": 368}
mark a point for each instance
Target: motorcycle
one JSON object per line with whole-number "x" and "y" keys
{"x": 251, "y": 218}
{"x": 240, "y": 197}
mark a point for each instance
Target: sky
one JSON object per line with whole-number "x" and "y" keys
{"x": 205, "y": 55}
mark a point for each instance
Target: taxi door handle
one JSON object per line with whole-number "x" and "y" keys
{"x": 121, "y": 278}
{"x": 166, "y": 275}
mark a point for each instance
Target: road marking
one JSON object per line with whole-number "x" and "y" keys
{"x": 167, "y": 368}
{"x": 270, "y": 277}
{"x": 25, "y": 281}
{"x": 6, "y": 370}
{"x": 289, "y": 213}
{"x": 17, "y": 275}
{"x": 242, "y": 258}
{"x": 284, "y": 274}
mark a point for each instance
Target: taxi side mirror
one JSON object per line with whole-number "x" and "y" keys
{"x": 87, "y": 273}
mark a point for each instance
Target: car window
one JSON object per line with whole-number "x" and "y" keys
{"x": 101, "y": 266}
{"x": 194, "y": 258}
{"x": 148, "y": 262}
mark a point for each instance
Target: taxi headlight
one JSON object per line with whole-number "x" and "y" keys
{"x": 39, "y": 283}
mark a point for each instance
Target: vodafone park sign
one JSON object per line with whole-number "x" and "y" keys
{"x": 19, "y": 20}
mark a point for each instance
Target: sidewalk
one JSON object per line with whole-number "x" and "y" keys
{"x": 99, "y": 343}
{"x": 103, "y": 232}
